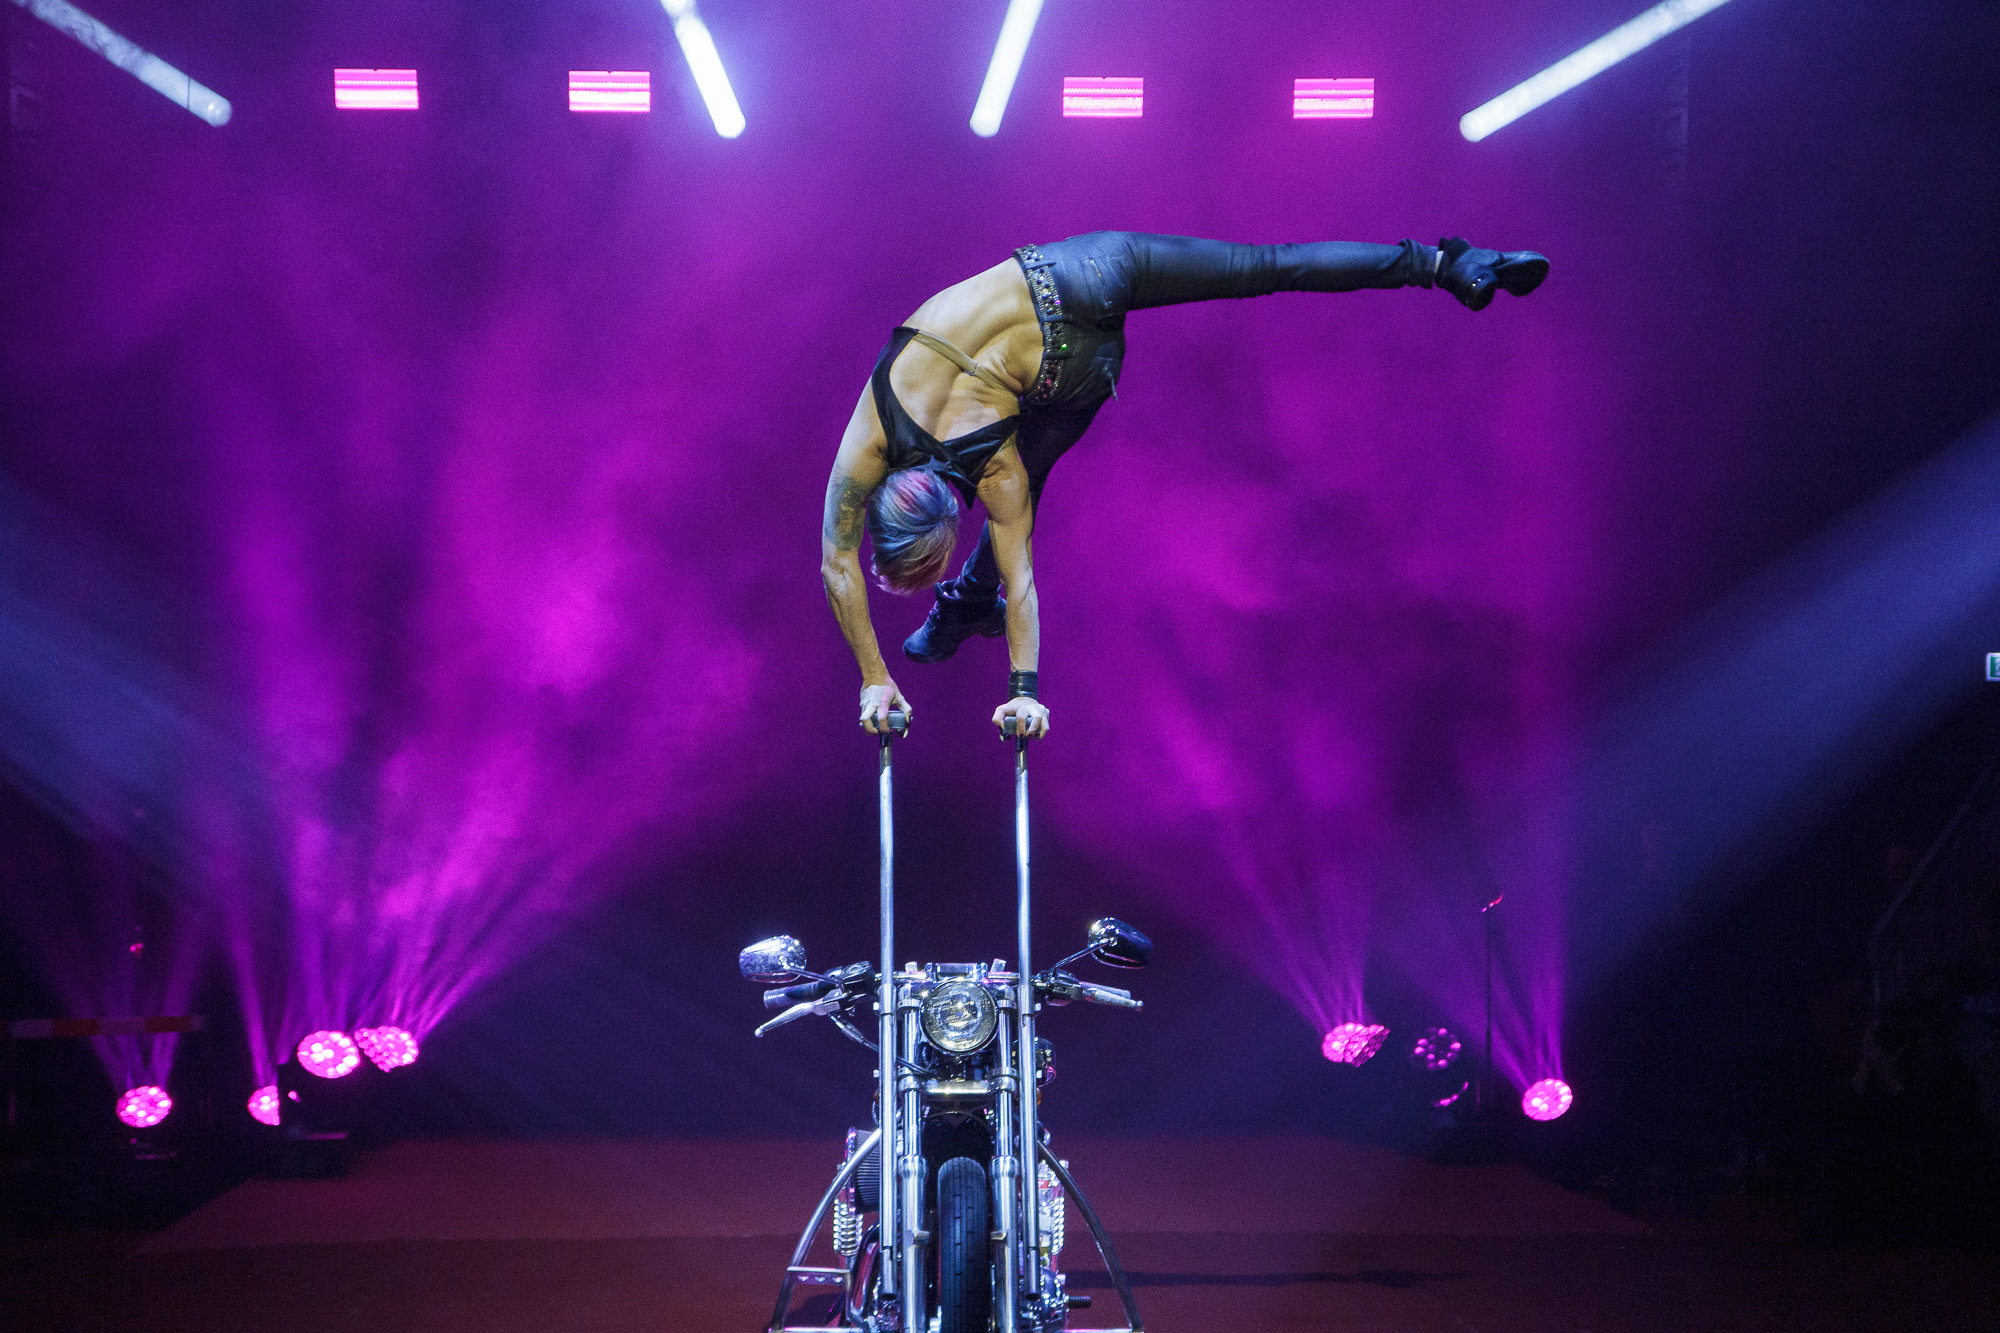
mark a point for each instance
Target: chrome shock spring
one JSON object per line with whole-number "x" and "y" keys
{"x": 846, "y": 1226}
{"x": 1049, "y": 1194}
{"x": 862, "y": 1192}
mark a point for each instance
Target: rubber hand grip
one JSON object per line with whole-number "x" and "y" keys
{"x": 805, "y": 990}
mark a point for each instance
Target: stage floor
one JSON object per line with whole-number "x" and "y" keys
{"x": 1295, "y": 1234}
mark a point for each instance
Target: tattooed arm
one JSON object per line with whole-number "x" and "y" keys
{"x": 857, "y": 470}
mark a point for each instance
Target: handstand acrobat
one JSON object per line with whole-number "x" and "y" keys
{"x": 1011, "y": 366}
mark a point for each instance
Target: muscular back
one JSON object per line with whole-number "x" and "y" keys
{"x": 990, "y": 317}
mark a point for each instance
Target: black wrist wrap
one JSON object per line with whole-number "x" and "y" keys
{"x": 1023, "y": 685}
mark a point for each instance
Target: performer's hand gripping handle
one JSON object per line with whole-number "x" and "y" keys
{"x": 1022, "y": 716}
{"x": 884, "y": 709}
{"x": 895, "y": 722}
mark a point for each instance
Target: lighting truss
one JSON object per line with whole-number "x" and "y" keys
{"x": 144, "y": 66}
{"x": 705, "y": 63}
{"x": 1008, "y": 52}
{"x": 1624, "y": 40}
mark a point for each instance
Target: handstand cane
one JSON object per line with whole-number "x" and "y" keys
{"x": 890, "y": 1151}
{"x": 1024, "y": 1047}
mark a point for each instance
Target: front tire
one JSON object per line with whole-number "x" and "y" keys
{"x": 965, "y": 1248}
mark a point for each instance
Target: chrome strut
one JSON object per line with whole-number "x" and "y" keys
{"x": 886, "y": 1034}
{"x": 1028, "y": 1277}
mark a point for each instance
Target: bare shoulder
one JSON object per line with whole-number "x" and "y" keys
{"x": 980, "y": 310}
{"x": 990, "y": 315}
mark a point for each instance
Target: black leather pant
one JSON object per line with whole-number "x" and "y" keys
{"x": 1101, "y": 275}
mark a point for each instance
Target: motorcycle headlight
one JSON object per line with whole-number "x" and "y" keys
{"x": 960, "y": 1017}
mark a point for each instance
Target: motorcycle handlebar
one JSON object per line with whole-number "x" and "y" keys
{"x": 840, "y": 979}
{"x": 791, "y": 1015}
{"x": 1062, "y": 987}
{"x": 1108, "y": 995}
{"x": 781, "y": 996}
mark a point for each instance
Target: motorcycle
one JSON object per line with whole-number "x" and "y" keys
{"x": 964, "y": 1231}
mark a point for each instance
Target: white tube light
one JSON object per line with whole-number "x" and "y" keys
{"x": 147, "y": 68}
{"x": 705, "y": 63}
{"x": 1008, "y": 52}
{"x": 1589, "y": 62}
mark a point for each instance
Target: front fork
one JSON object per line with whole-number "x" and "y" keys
{"x": 1006, "y": 1184}
{"x": 1017, "y": 1261}
{"x": 910, "y": 1179}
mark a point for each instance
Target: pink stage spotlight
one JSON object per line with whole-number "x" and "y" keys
{"x": 142, "y": 1108}
{"x": 1333, "y": 99}
{"x": 1353, "y": 1043}
{"x": 1435, "y": 1049}
{"x": 1117, "y": 98}
{"x": 329, "y": 1054}
{"x": 390, "y": 1048}
{"x": 264, "y": 1104}
{"x": 1546, "y": 1099}
{"x": 610, "y": 90}
{"x": 375, "y": 89}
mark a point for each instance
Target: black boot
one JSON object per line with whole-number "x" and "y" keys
{"x": 951, "y": 623}
{"x": 1473, "y": 275}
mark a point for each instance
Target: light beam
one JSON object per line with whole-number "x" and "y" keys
{"x": 1008, "y": 52}
{"x": 705, "y": 63}
{"x": 144, "y": 66}
{"x": 1624, "y": 40}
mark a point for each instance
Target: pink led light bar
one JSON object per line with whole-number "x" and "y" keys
{"x": 610, "y": 90}
{"x": 1333, "y": 99}
{"x": 1119, "y": 98}
{"x": 375, "y": 89}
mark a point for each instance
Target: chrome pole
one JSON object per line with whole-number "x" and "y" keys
{"x": 1024, "y": 1048}
{"x": 911, "y": 1179}
{"x": 889, "y": 1150}
{"x": 1006, "y": 1188}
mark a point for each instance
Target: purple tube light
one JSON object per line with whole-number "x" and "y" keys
{"x": 1353, "y": 1043}
{"x": 1333, "y": 99}
{"x": 1117, "y": 98}
{"x": 1546, "y": 1099}
{"x": 610, "y": 90}
{"x": 142, "y": 1108}
{"x": 375, "y": 89}
{"x": 329, "y": 1054}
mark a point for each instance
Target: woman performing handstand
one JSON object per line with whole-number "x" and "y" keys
{"x": 1009, "y": 369}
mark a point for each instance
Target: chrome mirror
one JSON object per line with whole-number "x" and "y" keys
{"x": 772, "y": 962}
{"x": 1116, "y": 944}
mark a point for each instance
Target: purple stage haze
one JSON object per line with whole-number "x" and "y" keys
{"x": 469, "y": 463}
{"x": 485, "y": 446}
